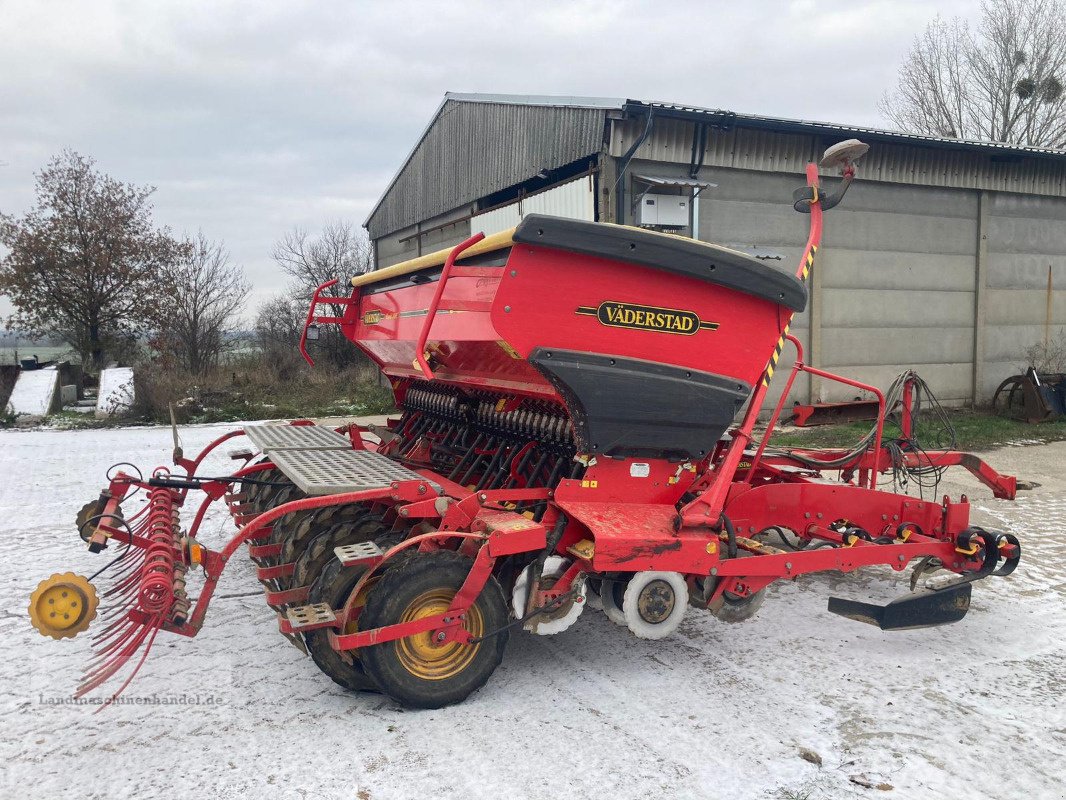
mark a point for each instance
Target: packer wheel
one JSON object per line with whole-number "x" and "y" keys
{"x": 296, "y": 538}
{"x": 317, "y": 551}
{"x": 333, "y": 586}
{"x": 738, "y": 609}
{"x": 559, "y": 620}
{"x": 416, "y": 671}
{"x": 729, "y": 607}
{"x": 612, "y": 595}
{"x": 655, "y": 603}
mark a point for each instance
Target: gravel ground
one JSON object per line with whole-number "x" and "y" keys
{"x": 969, "y": 710}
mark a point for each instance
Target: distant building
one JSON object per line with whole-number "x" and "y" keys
{"x": 938, "y": 259}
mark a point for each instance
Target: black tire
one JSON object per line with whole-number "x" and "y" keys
{"x": 400, "y": 590}
{"x": 333, "y": 586}
{"x": 258, "y": 493}
{"x": 274, "y": 496}
{"x": 739, "y": 609}
{"x": 316, "y": 522}
{"x": 317, "y": 552}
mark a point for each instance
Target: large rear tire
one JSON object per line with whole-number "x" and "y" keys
{"x": 416, "y": 671}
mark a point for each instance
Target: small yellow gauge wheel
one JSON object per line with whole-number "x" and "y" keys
{"x": 63, "y": 605}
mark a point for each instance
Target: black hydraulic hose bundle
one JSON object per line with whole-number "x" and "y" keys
{"x": 940, "y": 431}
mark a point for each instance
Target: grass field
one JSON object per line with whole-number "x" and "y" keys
{"x": 974, "y": 430}
{"x": 43, "y": 352}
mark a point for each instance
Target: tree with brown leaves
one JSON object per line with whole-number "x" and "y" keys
{"x": 86, "y": 263}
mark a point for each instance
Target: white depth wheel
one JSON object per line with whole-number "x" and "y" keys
{"x": 555, "y": 621}
{"x": 654, "y": 603}
{"x": 610, "y": 594}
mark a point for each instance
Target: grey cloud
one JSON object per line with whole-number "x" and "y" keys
{"x": 253, "y": 118}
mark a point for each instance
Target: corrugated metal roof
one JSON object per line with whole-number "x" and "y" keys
{"x": 692, "y": 183}
{"x": 894, "y": 161}
{"x": 554, "y": 100}
{"x": 785, "y": 125}
{"x": 450, "y": 164}
{"x": 473, "y": 149}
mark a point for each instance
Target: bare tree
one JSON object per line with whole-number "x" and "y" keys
{"x": 206, "y": 291}
{"x": 340, "y": 251}
{"x": 278, "y": 325}
{"x": 1000, "y": 83}
{"x": 86, "y": 263}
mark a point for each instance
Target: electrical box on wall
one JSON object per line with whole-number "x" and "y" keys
{"x": 663, "y": 210}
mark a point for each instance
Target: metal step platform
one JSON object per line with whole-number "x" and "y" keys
{"x": 272, "y": 438}
{"x": 322, "y": 472}
{"x": 352, "y": 555}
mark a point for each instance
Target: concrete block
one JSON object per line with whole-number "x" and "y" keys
{"x": 116, "y": 392}
{"x": 36, "y": 392}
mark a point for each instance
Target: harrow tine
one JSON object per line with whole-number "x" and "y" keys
{"x": 107, "y": 656}
{"x": 132, "y": 675}
{"x": 104, "y": 655}
{"x": 142, "y": 596}
{"x": 116, "y": 663}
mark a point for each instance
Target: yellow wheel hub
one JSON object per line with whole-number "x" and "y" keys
{"x": 63, "y": 605}
{"x": 425, "y": 657}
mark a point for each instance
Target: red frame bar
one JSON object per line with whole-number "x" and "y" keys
{"x": 316, "y": 300}
{"x": 431, "y": 312}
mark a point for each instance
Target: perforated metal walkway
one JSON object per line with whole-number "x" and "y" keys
{"x": 319, "y": 472}
{"x": 269, "y": 438}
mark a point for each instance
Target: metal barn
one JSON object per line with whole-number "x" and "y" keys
{"x": 948, "y": 256}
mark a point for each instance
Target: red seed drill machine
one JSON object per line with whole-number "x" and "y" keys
{"x": 567, "y": 438}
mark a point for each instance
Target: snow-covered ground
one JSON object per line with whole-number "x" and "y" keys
{"x": 970, "y": 710}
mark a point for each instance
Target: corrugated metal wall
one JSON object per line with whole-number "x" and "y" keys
{"x": 404, "y": 243}
{"x": 475, "y": 149}
{"x": 575, "y": 199}
{"x": 744, "y": 148}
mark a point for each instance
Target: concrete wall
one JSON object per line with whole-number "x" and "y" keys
{"x": 755, "y": 208}
{"x": 895, "y": 289}
{"x": 1025, "y": 236}
{"x": 950, "y": 282}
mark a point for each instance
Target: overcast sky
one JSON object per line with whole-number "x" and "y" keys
{"x": 255, "y": 117}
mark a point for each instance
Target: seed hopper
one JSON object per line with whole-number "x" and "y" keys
{"x": 578, "y": 405}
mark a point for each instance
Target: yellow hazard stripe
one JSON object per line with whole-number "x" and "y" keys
{"x": 778, "y": 349}
{"x": 808, "y": 263}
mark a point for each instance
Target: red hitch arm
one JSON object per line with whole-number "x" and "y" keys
{"x": 316, "y": 300}
{"x": 311, "y": 318}
{"x": 431, "y": 312}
